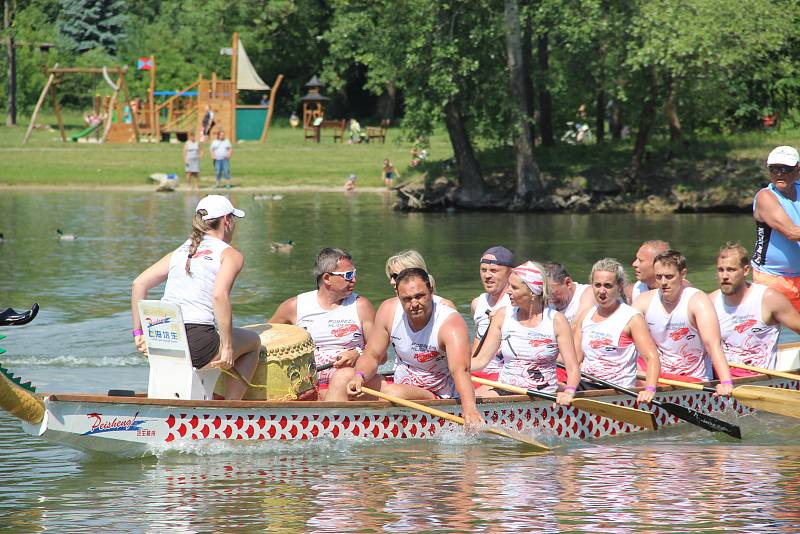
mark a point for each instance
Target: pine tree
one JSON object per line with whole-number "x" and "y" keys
{"x": 93, "y": 23}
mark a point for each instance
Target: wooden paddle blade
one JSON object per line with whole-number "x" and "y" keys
{"x": 776, "y": 400}
{"x": 454, "y": 418}
{"x": 643, "y": 418}
{"x": 702, "y": 420}
{"x": 518, "y": 436}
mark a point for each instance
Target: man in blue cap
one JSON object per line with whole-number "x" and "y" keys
{"x": 494, "y": 268}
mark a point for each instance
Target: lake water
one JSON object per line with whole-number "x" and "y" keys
{"x": 681, "y": 479}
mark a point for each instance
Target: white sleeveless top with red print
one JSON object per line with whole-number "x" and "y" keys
{"x": 333, "y": 331}
{"x": 529, "y": 353}
{"x": 420, "y": 360}
{"x": 745, "y": 337}
{"x": 572, "y": 309}
{"x": 481, "y": 319}
{"x": 609, "y": 353}
{"x": 682, "y": 350}
{"x": 193, "y": 293}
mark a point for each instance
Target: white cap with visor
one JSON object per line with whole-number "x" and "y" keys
{"x": 217, "y": 206}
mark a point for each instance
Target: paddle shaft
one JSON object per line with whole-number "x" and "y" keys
{"x": 687, "y": 385}
{"x": 763, "y": 371}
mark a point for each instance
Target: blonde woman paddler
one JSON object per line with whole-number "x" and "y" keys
{"x": 200, "y": 275}
{"x": 611, "y": 335}
{"x": 531, "y": 335}
{"x": 410, "y": 259}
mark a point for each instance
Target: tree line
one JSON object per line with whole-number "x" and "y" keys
{"x": 498, "y": 73}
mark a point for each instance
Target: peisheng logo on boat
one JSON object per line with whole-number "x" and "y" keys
{"x": 100, "y": 424}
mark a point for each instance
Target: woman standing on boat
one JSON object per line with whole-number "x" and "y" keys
{"x": 611, "y": 335}
{"x": 199, "y": 275}
{"x": 531, "y": 336}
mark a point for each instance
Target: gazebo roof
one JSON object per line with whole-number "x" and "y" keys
{"x": 314, "y": 82}
{"x": 314, "y": 97}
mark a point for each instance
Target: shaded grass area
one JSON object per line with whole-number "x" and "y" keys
{"x": 288, "y": 160}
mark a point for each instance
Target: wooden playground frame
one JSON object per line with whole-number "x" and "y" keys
{"x": 182, "y": 114}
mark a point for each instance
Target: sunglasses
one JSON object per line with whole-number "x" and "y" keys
{"x": 347, "y": 275}
{"x": 394, "y": 276}
{"x": 781, "y": 169}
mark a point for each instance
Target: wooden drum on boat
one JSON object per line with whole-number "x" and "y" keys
{"x": 285, "y": 365}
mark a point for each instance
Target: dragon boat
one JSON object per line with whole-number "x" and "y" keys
{"x": 133, "y": 424}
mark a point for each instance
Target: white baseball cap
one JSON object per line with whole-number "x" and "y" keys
{"x": 783, "y": 155}
{"x": 217, "y": 206}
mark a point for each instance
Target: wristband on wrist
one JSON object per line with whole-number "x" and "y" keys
{"x": 571, "y": 389}
{"x": 362, "y": 375}
{"x": 650, "y": 388}
{"x": 726, "y": 382}
{"x": 138, "y": 332}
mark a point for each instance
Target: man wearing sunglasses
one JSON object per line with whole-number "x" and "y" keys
{"x": 337, "y": 318}
{"x": 776, "y": 209}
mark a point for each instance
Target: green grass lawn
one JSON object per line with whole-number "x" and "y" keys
{"x": 284, "y": 160}
{"x": 287, "y": 160}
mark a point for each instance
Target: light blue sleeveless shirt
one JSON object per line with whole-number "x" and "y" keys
{"x": 773, "y": 252}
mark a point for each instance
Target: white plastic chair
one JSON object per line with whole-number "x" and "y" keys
{"x": 172, "y": 375}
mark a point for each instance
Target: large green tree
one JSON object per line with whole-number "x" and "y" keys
{"x": 90, "y": 24}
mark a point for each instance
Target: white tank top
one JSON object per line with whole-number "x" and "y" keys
{"x": 745, "y": 337}
{"x": 420, "y": 361}
{"x": 638, "y": 288}
{"x": 529, "y": 352}
{"x": 572, "y": 309}
{"x": 194, "y": 293}
{"x": 682, "y": 350}
{"x": 607, "y": 352}
{"x": 481, "y": 320}
{"x": 333, "y": 331}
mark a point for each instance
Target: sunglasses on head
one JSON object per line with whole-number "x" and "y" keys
{"x": 394, "y": 276}
{"x": 781, "y": 169}
{"x": 347, "y": 275}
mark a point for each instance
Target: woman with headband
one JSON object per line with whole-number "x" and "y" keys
{"x": 531, "y": 336}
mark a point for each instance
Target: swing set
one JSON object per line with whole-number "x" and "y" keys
{"x": 111, "y": 109}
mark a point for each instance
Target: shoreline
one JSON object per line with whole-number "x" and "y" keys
{"x": 152, "y": 188}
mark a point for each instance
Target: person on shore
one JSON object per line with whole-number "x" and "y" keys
{"x": 338, "y": 319}
{"x": 494, "y": 269}
{"x": 531, "y": 336}
{"x": 192, "y": 152}
{"x": 750, "y": 315}
{"x": 389, "y": 173}
{"x": 221, "y": 151}
{"x": 350, "y": 184}
{"x": 408, "y": 259}
{"x": 200, "y": 275}
{"x": 684, "y": 325}
{"x": 776, "y": 209}
{"x": 611, "y": 335}
{"x": 432, "y": 346}
{"x": 566, "y": 295}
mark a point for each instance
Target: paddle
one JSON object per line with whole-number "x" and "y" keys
{"x": 776, "y": 400}
{"x": 325, "y": 366}
{"x": 454, "y": 418}
{"x": 681, "y": 412}
{"x": 483, "y": 337}
{"x": 634, "y": 416}
{"x": 763, "y": 371}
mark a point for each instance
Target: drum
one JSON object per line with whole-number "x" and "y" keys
{"x": 285, "y": 365}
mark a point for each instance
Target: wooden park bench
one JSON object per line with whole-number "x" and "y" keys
{"x": 315, "y": 132}
{"x": 378, "y": 132}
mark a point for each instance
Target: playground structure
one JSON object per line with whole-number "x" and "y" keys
{"x": 182, "y": 112}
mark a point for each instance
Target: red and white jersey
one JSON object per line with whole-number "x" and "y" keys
{"x": 194, "y": 293}
{"x": 745, "y": 337}
{"x": 682, "y": 350}
{"x": 481, "y": 320}
{"x": 333, "y": 331}
{"x": 609, "y": 353}
{"x": 572, "y": 309}
{"x": 420, "y": 360}
{"x": 529, "y": 353}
